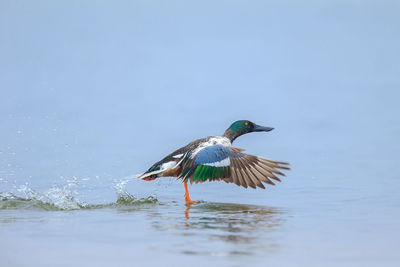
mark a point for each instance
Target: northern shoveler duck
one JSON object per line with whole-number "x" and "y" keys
{"x": 214, "y": 158}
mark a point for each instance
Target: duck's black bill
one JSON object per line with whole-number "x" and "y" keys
{"x": 258, "y": 128}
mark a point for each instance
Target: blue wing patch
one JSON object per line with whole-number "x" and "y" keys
{"x": 213, "y": 154}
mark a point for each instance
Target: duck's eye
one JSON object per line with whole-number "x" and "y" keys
{"x": 246, "y": 123}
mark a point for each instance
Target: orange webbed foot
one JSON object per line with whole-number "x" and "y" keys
{"x": 189, "y": 201}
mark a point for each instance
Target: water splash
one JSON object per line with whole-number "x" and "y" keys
{"x": 9, "y": 201}
{"x": 65, "y": 197}
{"x": 120, "y": 185}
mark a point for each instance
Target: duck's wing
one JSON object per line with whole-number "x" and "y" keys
{"x": 230, "y": 164}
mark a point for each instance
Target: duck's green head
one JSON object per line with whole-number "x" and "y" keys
{"x": 241, "y": 127}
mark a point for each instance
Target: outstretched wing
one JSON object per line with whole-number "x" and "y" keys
{"x": 230, "y": 164}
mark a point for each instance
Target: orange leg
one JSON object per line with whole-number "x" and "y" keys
{"x": 187, "y": 198}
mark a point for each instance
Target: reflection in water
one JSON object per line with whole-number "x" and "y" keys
{"x": 188, "y": 206}
{"x": 224, "y": 229}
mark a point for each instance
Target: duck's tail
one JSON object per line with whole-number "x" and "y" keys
{"x": 149, "y": 175}
{"x": 167, "y": 167}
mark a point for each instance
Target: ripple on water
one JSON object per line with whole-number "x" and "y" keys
{"x": 223, "y": 229}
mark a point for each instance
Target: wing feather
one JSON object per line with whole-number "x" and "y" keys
{"x": 266, "y": 174}
{"x": 242, "y": 176}
{"x": 256, "y": 178}
{"x": 263, "y": 176}
{"x": 230, "y": 164}
{"x": 239, "y": 179}
{"x": 234, "y": 174}
{"x": 245, "y": 177}
{"x": 251, "y": 181}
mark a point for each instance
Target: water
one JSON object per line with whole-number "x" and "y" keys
{"x": 94, "y": 92}
{"x": 333, "y": 225}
